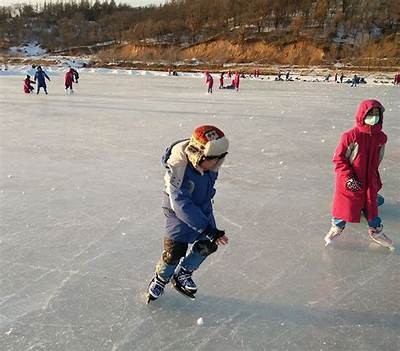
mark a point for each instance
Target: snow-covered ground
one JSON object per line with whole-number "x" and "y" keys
{"x": 81, "y": 224}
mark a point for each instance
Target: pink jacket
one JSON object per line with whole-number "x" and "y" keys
{"x": 237, "y": 81}
{"x": 358, "y": 155}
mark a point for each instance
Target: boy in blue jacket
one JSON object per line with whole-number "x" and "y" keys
{"x": 40, "y": 77}
{"x": 192, "y": 167}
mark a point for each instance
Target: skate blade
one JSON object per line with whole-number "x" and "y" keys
{"x": 327, "y": 242}
{"x": 390, "y": 247}
{"x": 149, "y": 298}
{"x": 185, "y": 293}
{"x": 182, "y": 291}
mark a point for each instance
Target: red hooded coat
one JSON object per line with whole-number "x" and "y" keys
{"x": 358, "y": 155}
{"x": 27, "y": 85}
{"x": 69, "y": 78}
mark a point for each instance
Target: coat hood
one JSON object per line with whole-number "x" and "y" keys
{"x": 363, "y": 108}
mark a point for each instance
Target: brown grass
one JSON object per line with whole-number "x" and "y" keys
{"x": 373, "y": 55}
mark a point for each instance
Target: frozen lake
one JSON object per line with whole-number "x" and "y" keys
{"x": 81, "y": 223}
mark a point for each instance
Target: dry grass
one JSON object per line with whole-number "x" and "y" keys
{"x": 385, "y": 53}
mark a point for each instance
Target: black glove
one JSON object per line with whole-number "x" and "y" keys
{"x": 213, "y": 234}
{"x": 353, "y": 184}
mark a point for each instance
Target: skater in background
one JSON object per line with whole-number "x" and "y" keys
{"x": 354, "y": 81}
{"x": 356, "y": 159}
{"x": 28, "y": 88}
{"x": 236, "y": 81}
{"x": 327, "y": 77}
{"x": 40, "y": 78}
{"x": 221, "y": 81}
{"x": 75, "y": 74}
{"x": 341, "y": 78}
{"x": 192, "y": 167}
{"x": 396, "y": 80}
{"x": 69, "y": 79}
{"x": 209, "y": 82}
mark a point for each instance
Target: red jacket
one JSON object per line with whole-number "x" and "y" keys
{"x": 69, "y": 77}
{"x": 237, "y": 80}
{"x": 210, "y": 81}
{"x": 27, "y": 85}
{"x": 358, "y": 155}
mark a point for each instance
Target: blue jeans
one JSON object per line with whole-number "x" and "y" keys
{"x": 175, "y": 253}
{"x": 374, "y": 223}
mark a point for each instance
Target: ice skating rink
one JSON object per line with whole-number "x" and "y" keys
{"x": 81, "y": 223}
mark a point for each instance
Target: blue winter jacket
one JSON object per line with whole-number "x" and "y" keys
{"x": 187, "y": 195}
{"x": 40, "y": 78}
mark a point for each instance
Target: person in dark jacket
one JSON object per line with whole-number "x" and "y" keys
{"x": 40, "y": 78}
{"x": 357, "y": 158}
{"x": 28, "y": 88}
{"x": 192, "y": 167}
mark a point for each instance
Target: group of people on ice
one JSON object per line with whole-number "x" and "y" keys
{"x": 40, "y": 79}
{"x": 71, "y": 76}
{"x": 191, "y": 170}
{"x": 234, "y": 83}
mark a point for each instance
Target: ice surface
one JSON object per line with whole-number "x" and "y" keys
{"x": 81, "y": 224}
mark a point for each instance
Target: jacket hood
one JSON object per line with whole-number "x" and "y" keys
{"x": 363, "y": 108}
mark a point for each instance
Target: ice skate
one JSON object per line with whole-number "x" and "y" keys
{"x": 378, "y": 236}
{"x": 334, "y": 232}
{"x": 184, "y": 284}
{"x": 155, "y": 289}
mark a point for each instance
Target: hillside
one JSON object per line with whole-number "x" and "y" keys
{"x": 302, "y": 32}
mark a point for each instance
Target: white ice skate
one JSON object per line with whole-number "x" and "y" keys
{"x": 332, "y": 234}
{"x": 378, "y": 236}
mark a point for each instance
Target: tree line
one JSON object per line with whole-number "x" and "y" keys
{"x": 66, "y": 23}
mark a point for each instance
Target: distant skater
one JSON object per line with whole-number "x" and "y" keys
{"x": 40, "y": 78}
{"x": 236, "y": 80}
{"x": 28, "y": 88}
{"x": 221, "y": 81}
{"x": 354, "y": 81}
{"x": 69, "y": 79}
{"x": 209, "y": 82}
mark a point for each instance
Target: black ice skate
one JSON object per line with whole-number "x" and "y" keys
{"x": 155, "y": 289}
{"x": 184, "y": 284}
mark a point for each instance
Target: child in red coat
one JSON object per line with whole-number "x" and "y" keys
{"x": 357, "y": 159}
{"x": 69, "y": 79}
{"x": 28, "y": 88}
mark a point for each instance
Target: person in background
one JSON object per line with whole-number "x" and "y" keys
{"x": 221, "y": 81}
{"x": 69, "y": 79}
{"x": 40, "y": 78}
{"x": 28, "y": 88}
{"x": 209, "y": 82}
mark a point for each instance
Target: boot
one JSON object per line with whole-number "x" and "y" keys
{"x": 334, "y": 232}
{"x": 377, "y": 235}
{"x": 183, "y": 282}
{"x": 155, "y": 289}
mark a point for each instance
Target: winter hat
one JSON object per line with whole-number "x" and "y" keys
{"x": 206, "y": 141}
